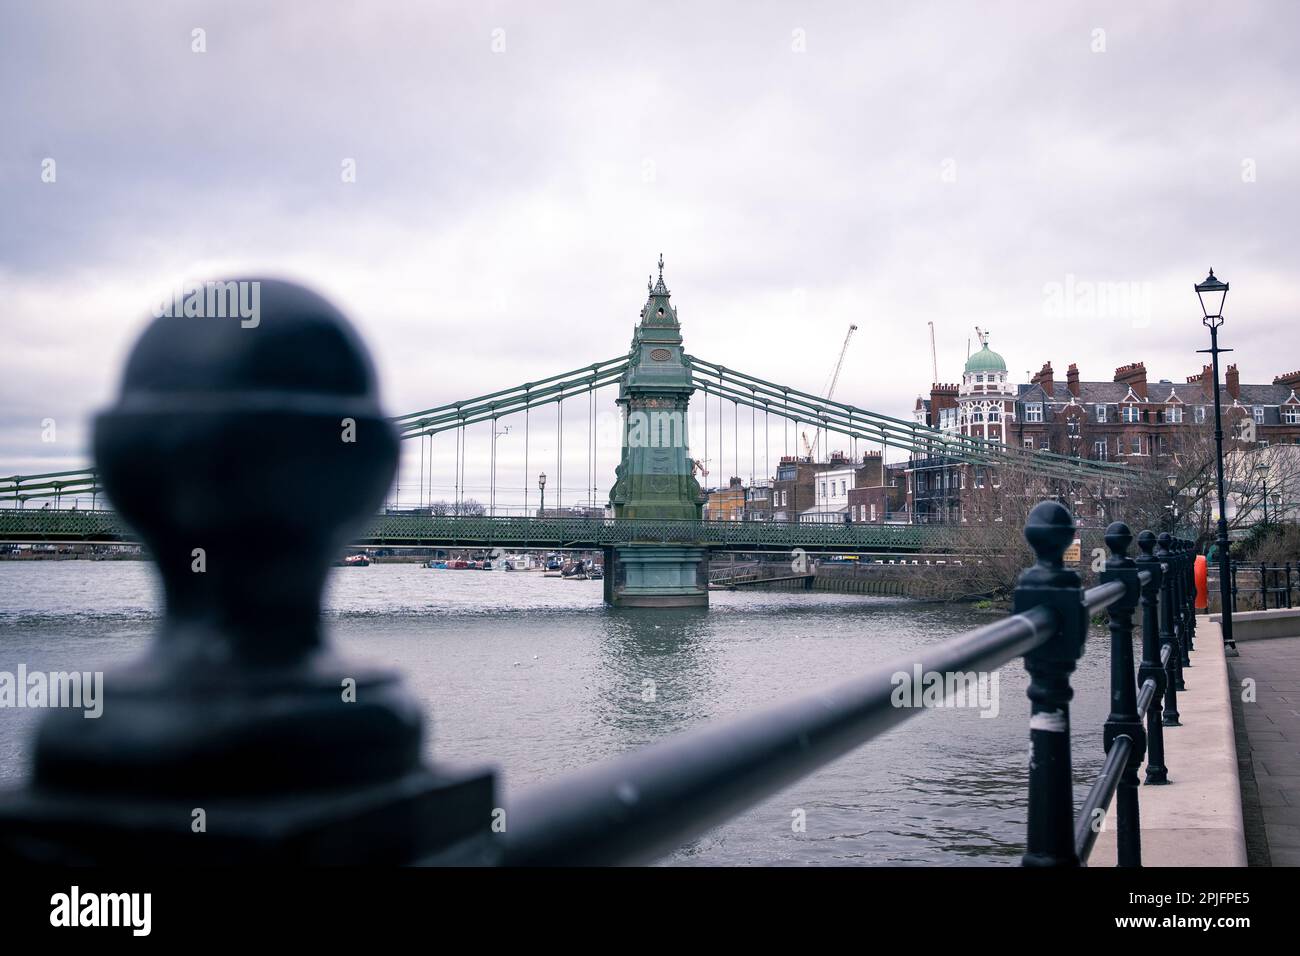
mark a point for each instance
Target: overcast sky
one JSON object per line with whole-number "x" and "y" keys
{"x": 520, "y": 166}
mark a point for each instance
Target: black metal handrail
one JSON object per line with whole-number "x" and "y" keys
{"x": 636, "y": 807}
{"x": 295, "y": 755}
{"x": 1271, "y": 579}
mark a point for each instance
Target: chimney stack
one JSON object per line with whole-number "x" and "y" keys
{"x": 1072, "y": 379}
{"x": 1234, "y": 384}
{"x": 1291, "y": 380}
{"x": 1205, "y": 378}
{"x": 1135, "y": 377}
{"x": 1044, "y": 378}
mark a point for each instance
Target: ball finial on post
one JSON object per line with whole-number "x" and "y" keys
{"x": 1119, "y": 537}
{"x": 1050, "y": 530}
{"x": 246, "y": 454}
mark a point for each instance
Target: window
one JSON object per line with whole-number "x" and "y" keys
{"x": 1175, "y": 414}
{"x": 1130, "y": 414}
{"x": 1033, "y": 411}
{"x": 1135, "y": 445}
{"x": 1029, "y": 443}
{"x": 1044, "y": 445}
{"x": 1259, "y": 414}
{"x": 1101, "y": 413}
{"x": 1199, "y": 414}
{"x": 976, "y": 415}
{"x": 1291, "y": 415}
{"x": 1099, "y": 450}
{"x": 979, "y": 378}
{"x": 995, "y": 414}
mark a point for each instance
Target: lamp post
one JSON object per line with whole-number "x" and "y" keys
{"x": 1212, "y": 293}
{"x": 541, "y": 486}
{"x": 1172, "y": 482}
{"x": 492, "y": 499}
{"x": 1261, "y": 469}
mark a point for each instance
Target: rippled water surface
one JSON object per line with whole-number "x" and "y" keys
{"x": 537, "y": 676}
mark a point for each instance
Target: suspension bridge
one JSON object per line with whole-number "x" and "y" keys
{"x": 655, "y": 538}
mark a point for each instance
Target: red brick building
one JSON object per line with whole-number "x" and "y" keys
{"x": 1128, "y": 418}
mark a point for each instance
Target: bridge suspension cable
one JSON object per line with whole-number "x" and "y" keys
{"x": 712, "y": 378}
{"x": 507, "y": 401}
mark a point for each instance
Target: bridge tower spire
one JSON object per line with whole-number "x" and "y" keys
{"x": 653, "y": 480}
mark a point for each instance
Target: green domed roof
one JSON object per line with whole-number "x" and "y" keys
{"x": 986, "y": 360}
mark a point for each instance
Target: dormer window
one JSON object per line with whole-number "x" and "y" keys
{"x": 1033, "y": 411}
{"x": 1101, "y": 413}
{"x": 1259, "y": 414}
{"x": 1175, "y": 414}
{"x": 1130, "y": 414}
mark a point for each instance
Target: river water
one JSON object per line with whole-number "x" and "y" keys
{"x": 537, "y": 676}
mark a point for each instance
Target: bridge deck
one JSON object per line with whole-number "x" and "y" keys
{"x": 407, "y": 530}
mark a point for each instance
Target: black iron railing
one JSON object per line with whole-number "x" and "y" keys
{"x": 644, "y": 804}
{"x": 241, "y": 710}
{"x": 1270, "y": 586}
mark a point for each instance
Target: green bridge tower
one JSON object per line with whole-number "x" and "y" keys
{"x": 655, "y": 477}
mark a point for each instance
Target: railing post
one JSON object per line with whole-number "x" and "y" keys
{"x": 1150, "y": 668}
{"x": 1167, "y": 637}
{"x": 1050, "y": 840}
{"x": 1124, "y": 719}
{"x": 1181, "y": 593}
{"x": 1234, "y": 586}
{"x": 1174, "y": 582}
{"x": 239, "y": 706}
{"x": 1263, "y": 587}
{"x": 1189, "y": 590}
{"x": 1288, "y": 585}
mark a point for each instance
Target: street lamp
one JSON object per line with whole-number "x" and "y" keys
{"x": 1212, "y": 293}
{"x": 1172, "y": 482}
{"x": 1261, "y": 469}
{"x": 541, "y": 486}
{"x": 492, "y": 498}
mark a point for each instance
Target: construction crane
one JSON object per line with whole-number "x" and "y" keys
{"x": 830, "y": 389}
{"x": 934, "y": 355}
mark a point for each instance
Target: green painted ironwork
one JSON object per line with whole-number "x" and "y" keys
{"x": 654, "y": 477}
{"x": 508, "y": 401}
{"x": 52, "y": 484}
{"x": 709, "y": 377}
{"x": 861, "y": 423}
{"x": 35, "y": 525}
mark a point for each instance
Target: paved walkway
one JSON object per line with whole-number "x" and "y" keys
{"x": 1268, "y": 745}
{"x": 1197, "y": 819}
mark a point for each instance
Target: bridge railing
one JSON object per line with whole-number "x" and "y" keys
{"x": 50, "y": 524}
{"x": 241, "y": 711}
